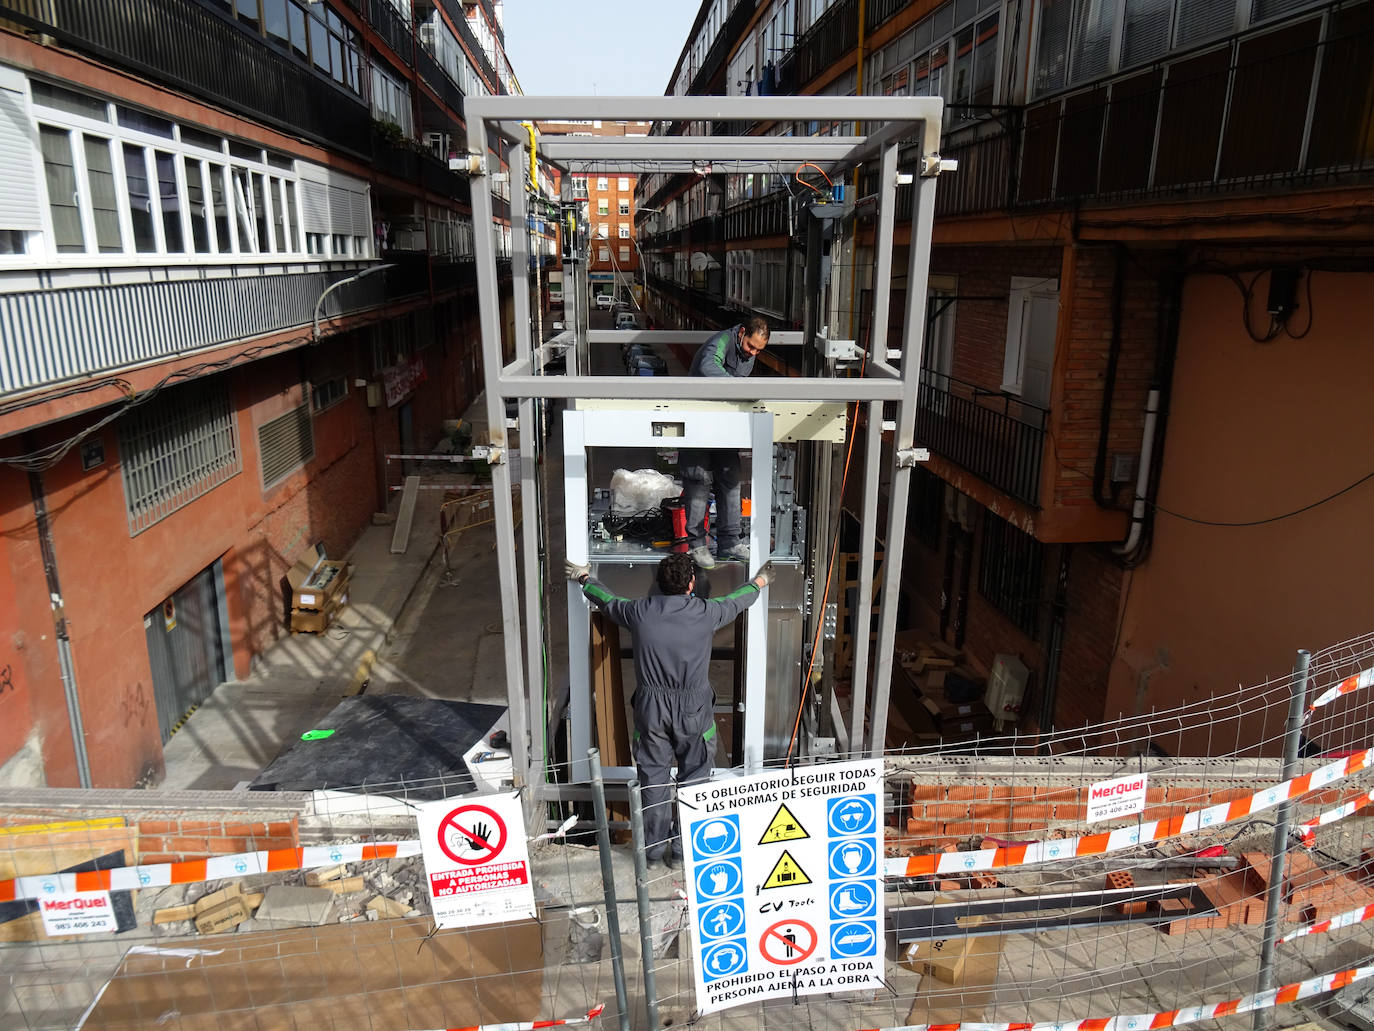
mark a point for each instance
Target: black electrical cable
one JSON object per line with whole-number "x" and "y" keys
{"x": 1261, "y": 522}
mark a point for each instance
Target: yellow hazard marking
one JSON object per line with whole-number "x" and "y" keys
{"x": 65, "y": 826}
{"x": 786, "y": 873}
{"x": 783, "y": 827}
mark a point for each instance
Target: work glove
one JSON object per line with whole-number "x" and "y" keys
{"x": 575, "y": 572}
{"x": 765, "y": 575}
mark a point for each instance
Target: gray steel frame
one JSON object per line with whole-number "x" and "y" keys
{"x": 890, "y": 120}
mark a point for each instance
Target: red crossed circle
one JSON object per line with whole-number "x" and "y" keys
{"x": 464, "y": 821}
{"x": 775, "y": 939}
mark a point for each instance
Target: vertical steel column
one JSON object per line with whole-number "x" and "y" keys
{"x": 646, "y": 931}
{"x": 918, "y": 268}
{"x": 531, "y": 503}
{"x": 579, "y": 614}
{"x": 873, "y": 442}
{"x": 1283, "y": 822}
{"x": 489, "y": 311}
{"x": 756, "y": 616}
{"x": 603, "y": 846}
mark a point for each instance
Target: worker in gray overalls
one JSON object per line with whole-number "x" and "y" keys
{"x": 673, "y": 704}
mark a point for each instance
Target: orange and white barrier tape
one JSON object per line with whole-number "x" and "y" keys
{"x": 131, "y": 878}
{"x": 529, "y": 1025}
{"x": 1359, "y": 680}
{"x": 1307, "y": 831}
{"x": 1172, "y": 1018}
{"x": 1349, "y": 918}
{"x": 1057, "y": 849}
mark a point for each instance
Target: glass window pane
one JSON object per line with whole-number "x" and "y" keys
{"x": 247, "y": 11}
{"x": 295, "y": 222}
{"x": 140, "y": 199}
{"x": 279, "y": 216}
{"x": 239, "y": 199}
{"x": 47, "y": 95}
{"x": 144, "y": 122}
{"x": 170, "y": 200}
{"x": 985, "y": 61}
{"x": 300, "y": 42}
{"x": 260, "y": 211}
{"x": 336, "y": 58}
{"x": 200, "y": 214}
{"x": 223, "y": 225}
{"x": 1092, "y": 41}
{"x": 1202, "y": 20}
{"x": 319, "y": 43}
{"x": 104, "y": 208}
{"x": 274, "y": 18}
{"x": 1052, "y": 52}
{"x": 963, "y": 69}
{"x": 62, "y": 197}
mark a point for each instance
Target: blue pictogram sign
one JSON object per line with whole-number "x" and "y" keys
{"x": 854, "y": 815}
{"x": 851, "y": 899}
{"x": 724, "y": 959}
{"x": 722, "y": 920}
{"x": 856, "y": 938}
{"x": 718, "y": 836}
{"x": 852, "y": 857}
{"x": 718, "y": 880}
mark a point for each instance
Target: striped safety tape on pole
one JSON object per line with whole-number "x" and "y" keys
{"x": 1058, "y": 849}
{"x": 1172, "y": 1018}
{"x": 529, "y": 1025}
{"x": 1359, "y": 680}
{"x": 131, "y": 878}
{"x": 1347, "y": 919}
{"x": 1307, "y": 831}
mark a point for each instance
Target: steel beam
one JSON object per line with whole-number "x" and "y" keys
{"x": 699, "y": 148}
{"x": 702, "y": 388}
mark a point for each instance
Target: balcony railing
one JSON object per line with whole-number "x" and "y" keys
{"x": 998, "y": 438}
{"x": 758, "y": 216}
{"x": 168, "y": 41}
{"x": 63, "y": 332}
{"x": 390, "y": 26}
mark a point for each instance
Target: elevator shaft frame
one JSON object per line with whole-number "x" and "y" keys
{"x": 883, "y": 386}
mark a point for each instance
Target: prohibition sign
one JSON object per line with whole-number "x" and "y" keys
{"x": 469, "y": 824}
{"x": 788, "y": 942}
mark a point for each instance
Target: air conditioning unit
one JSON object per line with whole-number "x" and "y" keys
{"x": 439, "y": 144}
{"x": 427, "y": 33}
{"x": 1006, "y": 688}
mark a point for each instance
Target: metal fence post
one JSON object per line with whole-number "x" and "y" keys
{"x": 603, "y": 846}
{"x": 646, "y": 935}
{"x": 1282, "y": 824}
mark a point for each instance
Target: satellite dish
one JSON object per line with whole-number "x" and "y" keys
{"x": 701, "y": 261}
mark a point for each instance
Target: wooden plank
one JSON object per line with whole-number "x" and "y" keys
{"x": 612, "y": 726}
{"x": 400, "y": 538}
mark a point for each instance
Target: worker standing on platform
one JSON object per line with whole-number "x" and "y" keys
{"x": 729, "y": 353}
{"x": 673, "y": 704}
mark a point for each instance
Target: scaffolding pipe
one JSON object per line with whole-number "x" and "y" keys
{"x": 603, "y": 847}
{"x": 646, "y": 933}
{"x": 1283, "y": 822}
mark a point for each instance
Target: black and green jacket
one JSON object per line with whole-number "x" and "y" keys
{"x": 672, "y": 633}
{"x": 721, "y": 356}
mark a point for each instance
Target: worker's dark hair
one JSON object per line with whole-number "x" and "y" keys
{"x": 755, "y": 326}
{"x": 675, "y": 573}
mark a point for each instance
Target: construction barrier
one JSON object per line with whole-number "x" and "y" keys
{"x": 1359, "y": 680}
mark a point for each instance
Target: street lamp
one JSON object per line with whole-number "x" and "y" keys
{"x": 334, "y": 286}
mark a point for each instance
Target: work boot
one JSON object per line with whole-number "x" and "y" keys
{"x": 701, "y": 555}
{"x": 737, "y": 552}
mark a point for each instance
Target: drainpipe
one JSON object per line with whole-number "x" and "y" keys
{"x": 1058, "y": 610}
{"x": 1109, "y": 384}
{"x": 59, "y": 618}
{"x": 1142, "y": 479}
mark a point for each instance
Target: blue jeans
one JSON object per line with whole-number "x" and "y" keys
{"x": 701, "y": 470}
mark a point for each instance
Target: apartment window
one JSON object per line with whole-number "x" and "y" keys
{"x": 624, "y": 231}
{"x": 63, "y": 199}
{"x": 624, "y": 254}
{"x": 603, "y": 206}
{"x": 174, "y": 449}
{"x": 285, "y": 444}
{"x": 1009, "y": 573}
{"x": 604, "y": 254}
{"x": 623, "y": 184}
{"x": 327, "y": 393}
{"x": 603, "y": 231}
{"x": 602, "y": 183}
{"x": 1032, "y": 318}
{"x": 624, "y": 205}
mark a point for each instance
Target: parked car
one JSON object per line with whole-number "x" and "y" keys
{"x": 636, "y": 351}
{"x": 604, "y": 300}
{"x": 646, "y": 365}
{"x": 626, "y": 320}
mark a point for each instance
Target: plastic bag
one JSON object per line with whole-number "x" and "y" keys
{"x": 640, "y": 490}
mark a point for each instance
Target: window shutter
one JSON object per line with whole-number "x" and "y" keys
{"x": 314, "y": 206}
{"x": 1145, "y": 36}
{"x": 20, "y": 205}
{"x": 1093, "y": 26}
{"x": 1201, "y": 20}
{"x": 285, "y": 444}
{"x": 1052, "y": 51}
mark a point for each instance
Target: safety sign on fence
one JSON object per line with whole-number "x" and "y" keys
{"x": 477, "y": 862}
{"x": 784, "y": 880}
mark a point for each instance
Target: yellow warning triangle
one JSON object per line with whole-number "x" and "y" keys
{"x": 786, "y": 873}
{"x": 783, "y": 827}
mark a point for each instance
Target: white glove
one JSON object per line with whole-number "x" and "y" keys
{"x": 765, "y": 575}
{"x": 575, "y": 572}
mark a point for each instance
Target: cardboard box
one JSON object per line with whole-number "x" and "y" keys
{"x": 971, "y": 959}
{"x": 317, "y": 582}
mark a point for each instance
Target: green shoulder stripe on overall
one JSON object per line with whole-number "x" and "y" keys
{"x": 598, "y": 593}
{"x": 736, "y": 593}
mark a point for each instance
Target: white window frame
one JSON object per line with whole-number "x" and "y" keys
{"x": 1022, "y": 289}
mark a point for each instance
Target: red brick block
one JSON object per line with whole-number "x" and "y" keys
{"x": 185, "y": 845}
{"x": 927, "y": 792}
{"x": 998, "y": 811}
{"x": 283, "y": 829}
{"x": 226, "y": 846}
{"x": 1030, "y": 811}
{"x": 960, "y": 829}
{"x": 947, "y": 811}
{"x": 245, "y": 830}
{"x": 963, "y": 793}
{"x": 146, "y": 827}
{"x": 154, "y": 858}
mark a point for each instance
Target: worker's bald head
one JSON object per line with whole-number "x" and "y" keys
{"x": 675, "y": 574}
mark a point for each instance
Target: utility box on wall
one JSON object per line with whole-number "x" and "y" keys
{"x": 1006, "y": 688}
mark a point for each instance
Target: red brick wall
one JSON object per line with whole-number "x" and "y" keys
{"x": 175, "y": 837}
{"x": 1094, "y": 601}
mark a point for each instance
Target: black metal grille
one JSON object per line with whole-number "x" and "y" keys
{"x": 998, "y": 438}
{"x": 926, "y": 512}
{"x": 1010, "y": 571}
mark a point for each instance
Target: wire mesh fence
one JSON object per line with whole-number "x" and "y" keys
{"x": 1005, "y": 901}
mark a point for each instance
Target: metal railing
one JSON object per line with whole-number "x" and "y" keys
{"x": 391, "y": 27}
{"x": 997, "y": 437}
{"x": 758, "y": 216}
{"x": 168, "y": 40}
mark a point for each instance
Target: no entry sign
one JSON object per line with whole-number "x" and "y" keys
{"x": 476, "y": 860}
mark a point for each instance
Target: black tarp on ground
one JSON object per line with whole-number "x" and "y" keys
{"x": 408, "y": 747}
